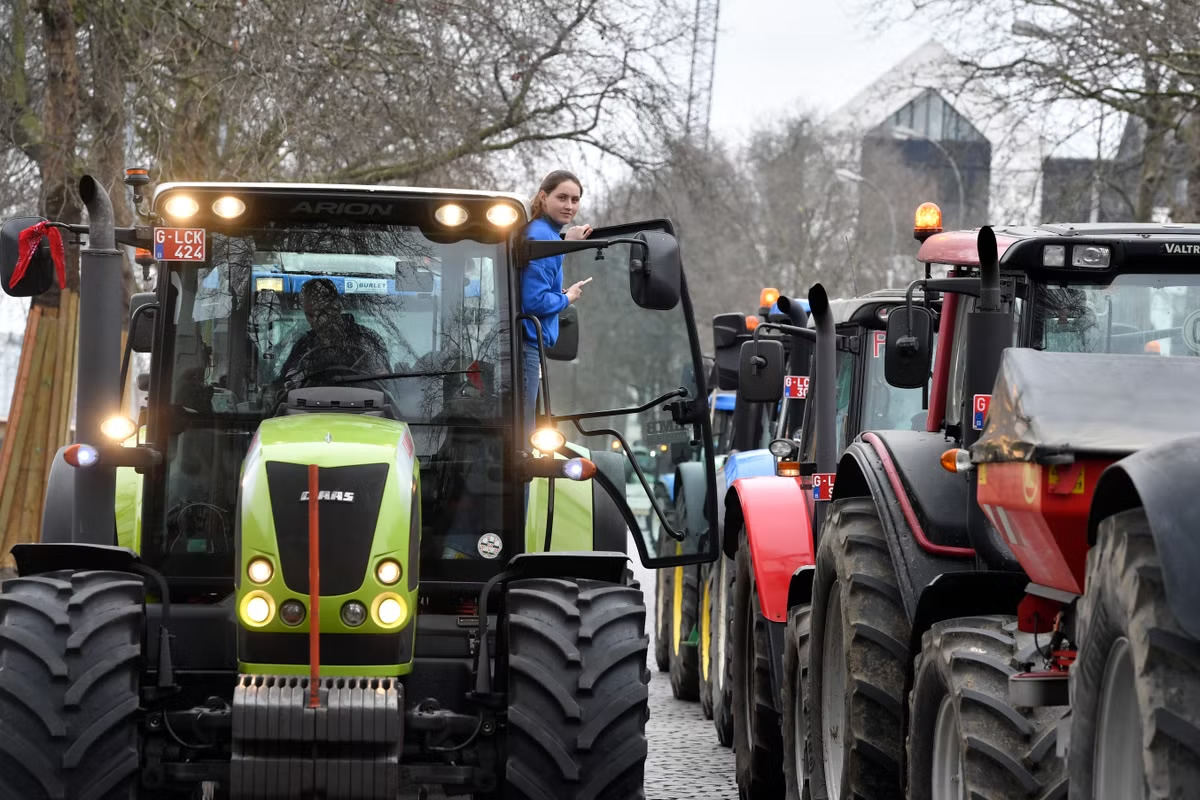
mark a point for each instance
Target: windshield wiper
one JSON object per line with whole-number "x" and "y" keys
{"x": 387, "y": 376}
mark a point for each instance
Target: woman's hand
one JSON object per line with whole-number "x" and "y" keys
{"x": 578, "y": 232}
{"x": 576, "y": 290}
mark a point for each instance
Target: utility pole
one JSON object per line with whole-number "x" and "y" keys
{"x": 700, "y": 74}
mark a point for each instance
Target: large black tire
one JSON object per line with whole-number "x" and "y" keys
{"x": 797, "y": 758}
{"x": 1124, "y": 607}
{"x": 723, "y": 571}
{"x": 705, "y": 647}
{"x": 684, "y": 616}
{"x": 70, "y": 652}
{"x": 855, "y": 586}
{"x": 684, "y": 654}
{"x": 1004, "y": 752}
{"x": 757, "y": 743}
{"x": 662, "y": 607}
{"x": 577, "y": 694}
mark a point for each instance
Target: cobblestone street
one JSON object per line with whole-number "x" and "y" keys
{"x": 685, "y": 762}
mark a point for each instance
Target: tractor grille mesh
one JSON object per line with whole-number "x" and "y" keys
{"x": 347, "y": 528}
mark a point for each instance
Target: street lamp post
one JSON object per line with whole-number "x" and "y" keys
{"x": 903, "y": 132}
{"x": 850, "y": 176}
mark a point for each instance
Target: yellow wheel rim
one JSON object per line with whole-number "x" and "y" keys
{"x": 705, "y": 632}
{"x": 677, "y": 603}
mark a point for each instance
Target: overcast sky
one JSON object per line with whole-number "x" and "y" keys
{"x": 776, "y": 56}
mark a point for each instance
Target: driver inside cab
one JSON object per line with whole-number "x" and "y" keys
{"x": 334, "y": 339}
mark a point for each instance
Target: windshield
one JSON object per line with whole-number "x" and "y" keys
{"x": 279, "y": 309}
{"x": 886, "y": 407}
{"x": 1152, "y": 314}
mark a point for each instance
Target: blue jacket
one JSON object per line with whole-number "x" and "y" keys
{"x": 542, "y": 285}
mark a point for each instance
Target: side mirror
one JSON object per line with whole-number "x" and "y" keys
{"x": 760, "y": 372}
{"x": 141, "y": 325}
{"x": 566, "y": 346}
{"x": 727, "y": 328}
{"x": 908, "y": 354}
{"x": 655, "y": 272}
{"x": 39, "y": 274}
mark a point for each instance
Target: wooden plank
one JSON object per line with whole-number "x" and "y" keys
{"x": 29, "y": 526}
{"x": 65, "y": 338}
{"x": 17, "y": 404}
{"x": 16, "y": 478}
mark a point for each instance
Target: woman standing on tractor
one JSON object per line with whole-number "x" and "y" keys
{"x": 542, "y": 295}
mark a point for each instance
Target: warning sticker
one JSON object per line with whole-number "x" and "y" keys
{"x": 490, "y": 545}
{"x": 1053, "y": 480}
{"x": 795, "y": 386}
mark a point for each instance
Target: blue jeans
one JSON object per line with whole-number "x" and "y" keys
{"x": 532, "y": 366}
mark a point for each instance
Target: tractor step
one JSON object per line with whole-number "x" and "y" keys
{"x": 348, "y": 746}
{"x": 1035, "y": 689}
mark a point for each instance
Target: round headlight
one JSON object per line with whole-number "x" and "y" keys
{"x": 502, "y": 215}
{"x": 390, "y": 612}
{"x": 118, "y": 428}
{"x": 259, "y": 570}
{"x": 181, "y": 206}
{"x": 257, "y": 609}
{"x": 451, "y": 215}
{"x": 291, "y": 612}
{"x": 781, "y": 448}
{"x": 547, "y": 440}
{"x": 388, "y": 572}
{"x": 228, "y": 207}
{"x": 354, "y": 614}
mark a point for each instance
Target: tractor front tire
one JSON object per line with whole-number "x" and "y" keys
{"x": 721, "y": 626}
{"x": 797, "y": 758}
{"x": 757, "y": 743}
{"x": 1135, "y": 685}
{"x": 859, "y": 659}
{"x": 705, "y": 646}
{"x": 70, "y": 652}
{"x": 662, "y": 606}
{"x": 964, "y": 735}
{"x": 577, "y": 693}
{"x": 685, "y": 655}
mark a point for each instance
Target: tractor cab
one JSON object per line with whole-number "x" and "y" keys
{"x": 331, "y": 491}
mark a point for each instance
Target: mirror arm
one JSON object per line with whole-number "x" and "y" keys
{"x": 543, "y": 248}
{"x": 621, "y": 412}
{"x": 791, "y": 330}
{"x": 624, "y": 504}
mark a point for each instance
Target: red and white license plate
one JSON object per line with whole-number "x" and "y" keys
{"x": 796, "y": 386}
{"x": 823, "y": 485}
{"x": 179, "y": 244}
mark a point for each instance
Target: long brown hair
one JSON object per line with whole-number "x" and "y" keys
{"x": 549, "y": 184}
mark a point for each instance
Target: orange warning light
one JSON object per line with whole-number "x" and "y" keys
{"x": 927, "y": 221}
{"x": 751, "y": 322}
{"x": 768, "y": 298}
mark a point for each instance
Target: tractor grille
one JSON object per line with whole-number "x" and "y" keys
{"x": 347, "y": 528}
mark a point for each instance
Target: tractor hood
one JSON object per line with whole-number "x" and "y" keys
{"x": 368, "y": 495}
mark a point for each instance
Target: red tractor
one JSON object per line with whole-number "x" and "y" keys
{"x": 1029, "y": 540}
{"x": 768, "y": 521}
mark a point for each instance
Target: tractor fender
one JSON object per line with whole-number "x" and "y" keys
{"x": 778, "y": 531}
{"x": 58, "y": 516}
{"x": 690, "y": 478}
{"x": 1162, "y": 480}
{"x": 746, "y": 464}
{"x": 921, "y": 506}
{"x": 609, "y": 529}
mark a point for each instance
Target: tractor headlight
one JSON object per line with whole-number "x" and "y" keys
{"x": 291, "y": 612}
{"x": 259, "y": 570}
{"x": 181, "y": 206}
{"x": 547, "y": 440}
{"x": 118, "y": 428}
{"x": 228, "y": 207}
{"x": 354, "y": 614}
{"x": 388, "y": 572}
{"x": 389, "y": 610}
{"x": 257, "y": 609}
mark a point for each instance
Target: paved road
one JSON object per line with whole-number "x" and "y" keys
{"x": 685, "y": 763}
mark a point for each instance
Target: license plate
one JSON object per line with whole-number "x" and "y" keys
{"x": 179, "y": 244}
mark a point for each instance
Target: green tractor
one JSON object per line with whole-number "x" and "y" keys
{"x": 326, "y": 561}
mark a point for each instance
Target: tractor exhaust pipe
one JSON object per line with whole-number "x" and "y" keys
{"x": 797, "y": 363}
{"x": 989, "y": 332}
{"x": 98, "y": 386}
{"x": 824, "y": 414}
